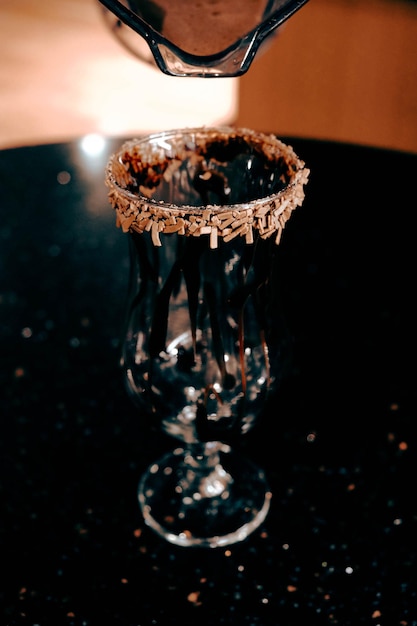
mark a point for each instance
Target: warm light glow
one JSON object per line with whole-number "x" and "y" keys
{"x": 93, "y": 144}
{"x": 126, "y": 96}
{"x": 60, "y": 91}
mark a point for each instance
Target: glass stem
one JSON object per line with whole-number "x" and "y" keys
{"x": 204, "y": 476}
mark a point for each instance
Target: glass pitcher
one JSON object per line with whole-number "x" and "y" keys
{"x": 204, "y": 38}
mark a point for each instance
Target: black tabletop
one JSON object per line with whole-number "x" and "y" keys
{"x": 338, "y": 441}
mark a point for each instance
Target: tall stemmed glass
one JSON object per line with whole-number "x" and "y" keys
{"x": 203, "y": 340}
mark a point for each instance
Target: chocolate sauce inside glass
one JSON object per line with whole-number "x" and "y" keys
{"x": 187, "y": 27}
{"x": 229, "y": 172}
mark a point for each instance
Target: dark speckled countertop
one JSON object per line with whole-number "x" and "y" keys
{"x": 338, "y": 442}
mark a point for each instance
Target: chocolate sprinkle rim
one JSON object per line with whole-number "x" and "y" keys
{"x": 137, "y": 212}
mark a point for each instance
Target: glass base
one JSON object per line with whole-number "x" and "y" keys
{"x": 208, "y": 497}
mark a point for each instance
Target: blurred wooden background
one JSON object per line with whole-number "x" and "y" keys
{"x": 338, "y": 69}
{"x": 63, "y": 74}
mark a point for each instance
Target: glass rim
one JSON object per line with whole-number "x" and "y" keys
{"x": 268, "y": 214}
